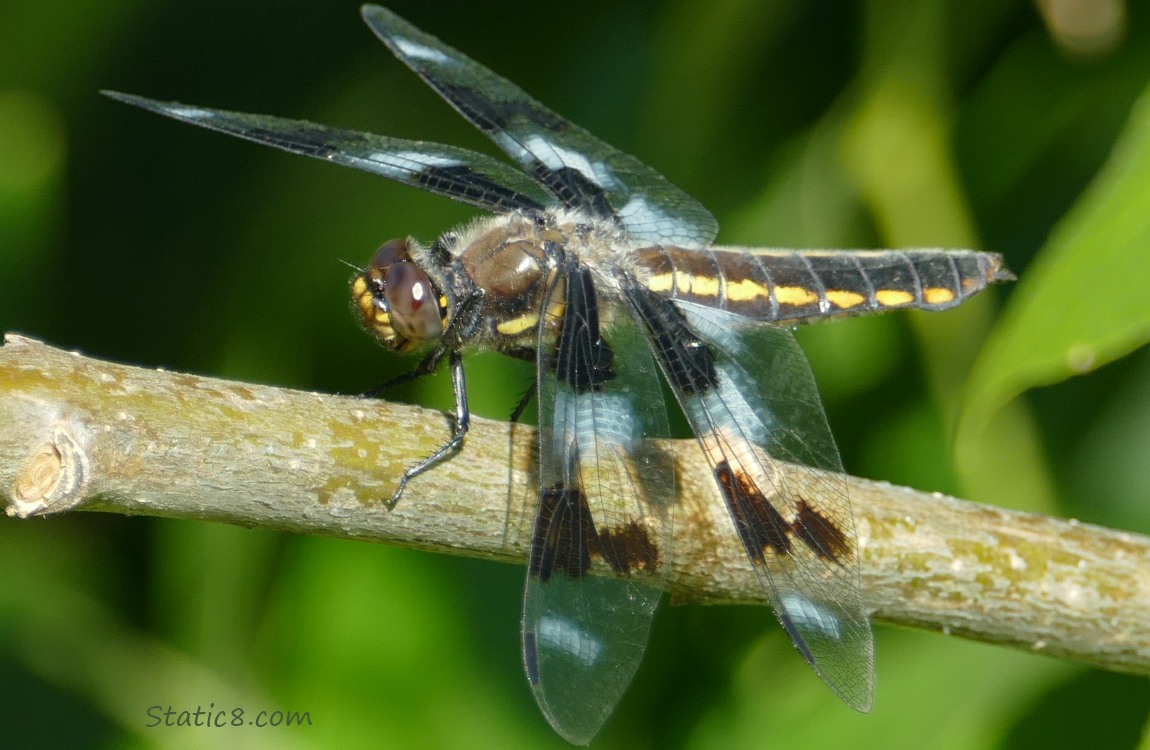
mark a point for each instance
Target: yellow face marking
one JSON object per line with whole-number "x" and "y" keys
{"x": 845, "y": 300}
{"x": 795, "y": 295}
{"x": 746, "y": 290}
{"x": 893, "y": 297}
{"x": 937, "y": 295}
{"x": 518, "y": 325}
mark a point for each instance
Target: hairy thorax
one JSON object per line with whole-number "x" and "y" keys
{"x": 516, "y": 261}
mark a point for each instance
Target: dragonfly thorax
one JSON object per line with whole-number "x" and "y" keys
{"x": 516, "y": 263}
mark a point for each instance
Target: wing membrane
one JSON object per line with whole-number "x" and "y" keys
{"x": 600, "y": 550}
{"x": 576, "y": 167}
{"x": 749, "y": 395}
{"x": 460, "y": 174}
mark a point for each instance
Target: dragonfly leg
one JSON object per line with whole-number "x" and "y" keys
{"x": 462, "y": 424}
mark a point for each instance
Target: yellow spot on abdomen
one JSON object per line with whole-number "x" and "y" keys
{"x": 893, "y": 297}
{"x": 702, "y": 286}
{"x": 745, "y": 290}
{"x": 938, "y": 295}
{"x": 845, "y": 300}
{"x": 661, "y": 283}
{"x": 795, "y": 295}
{"x": 681, "y": 282}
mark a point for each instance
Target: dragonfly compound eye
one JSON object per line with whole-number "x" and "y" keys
{"x": 413, "y": 303}
{"x": 396, "y": 300}
{"x": 388, "y": 253}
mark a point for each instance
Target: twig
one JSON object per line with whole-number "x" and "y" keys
{"x": 77, "y": 433}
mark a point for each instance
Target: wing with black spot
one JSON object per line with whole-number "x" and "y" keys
{"x": 457, "y": 173}
{"x": 601, "y": 544}
{"x": 580, "y": 170}
{"x": 749, "y": 395}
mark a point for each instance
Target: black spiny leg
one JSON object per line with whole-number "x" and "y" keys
{"x": 462, "y": 423}
{"x": 426, "y": 366}
{"x": 521, "y": 407}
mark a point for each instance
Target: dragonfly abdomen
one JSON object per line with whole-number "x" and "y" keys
{"x": 800, "y": 285}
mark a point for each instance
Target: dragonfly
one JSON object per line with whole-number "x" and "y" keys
{"x": 604, "y": 274}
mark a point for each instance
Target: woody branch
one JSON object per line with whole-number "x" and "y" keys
{"x": 81, "y": 434}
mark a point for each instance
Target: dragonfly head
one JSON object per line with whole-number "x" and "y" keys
{"x": 397, "y": 301}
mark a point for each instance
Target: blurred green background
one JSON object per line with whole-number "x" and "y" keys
{"x": 1018, "y": 127}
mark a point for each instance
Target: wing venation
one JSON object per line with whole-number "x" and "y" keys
{"x": 748, "y": 393}
{"x": 580, "y": 170}
{"x": 601, "y": 545}
{"x": 457, "y": 173}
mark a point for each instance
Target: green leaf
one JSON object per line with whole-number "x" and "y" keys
{"x": 1084, "y": 302}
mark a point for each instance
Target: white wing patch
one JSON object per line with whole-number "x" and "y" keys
{"x": 510, "y": 146}
{"x": 190, "y": 113}
{"x": 417, "y": 51}
{"x": 810, "y": 616}
{"x": 564, "y": 635}
{"x": 556, "y": 157}
{"x": 584, "y": 421}
{"x": 416, "y": 157}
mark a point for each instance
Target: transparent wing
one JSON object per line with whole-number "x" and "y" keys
{"x": 575, "y": 166}
{"x": 748, "y": 392}
{"x": 455, "y": 172}
{"x": 601, "y": 546}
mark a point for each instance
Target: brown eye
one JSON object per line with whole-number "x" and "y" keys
{"x": 411, "y": 299}
{"x": 396, "y": 300}
{"x": 388, "y": 253}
